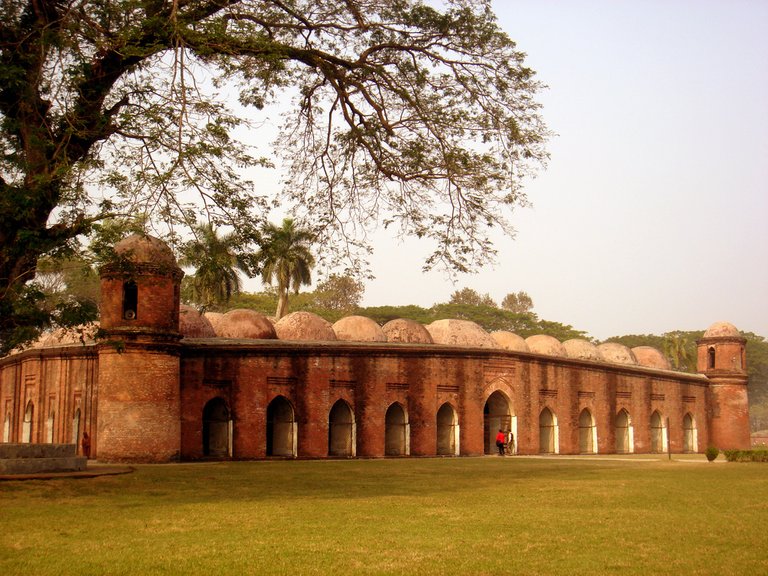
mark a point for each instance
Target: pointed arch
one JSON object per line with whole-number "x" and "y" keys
{"x": 76, "y": 428}
{"x": 690, "y": 434}
{"x": 26, "y": 431}
{"x": 396, "y": 431}
{"x": 658, "y": 433}
{"x": 281, "y": 428}
{"x": 625, "y": 439}
{"x": 549, "y": 442}
{"x": 447, "y": 431}
{"x": 341, "y": 430}
{"x": 7, "y": 427}
{"x": 497, "y": 415}
{"x": 50, "y": 427}
{"x": 587, "y": 433}
{"x": 217, "y": 429}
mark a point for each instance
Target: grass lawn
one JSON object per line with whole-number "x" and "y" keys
{"x": 488, "y": 515}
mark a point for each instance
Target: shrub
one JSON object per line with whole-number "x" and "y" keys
{"x": 712, "y": 453}
{"x": 757, "y": 455}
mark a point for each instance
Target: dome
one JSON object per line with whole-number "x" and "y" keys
{"x": 581, "y": 349}
{"x": 358, "y": 329}
{"x": 650, "y": 357}
{"x": 509, "y": 341}
{"x": 616, "y": 353}
{"x": 192, "y": 324}
{"x": 142, "y": 249}
{"x": 406, "y": 331}
{"x": 304, "y": 326}
{"x": 244, "y": 323}
{"x": 215, "y": 318}
{"x": 84, "y": 334}
{"x": 722, "y": 329}
{"x": 460, "y": 333}
{"x": 547, "y": 345}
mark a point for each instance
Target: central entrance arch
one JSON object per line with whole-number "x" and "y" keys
{"x": 690, "y": 436}
{"x": 217, "y": 429}
{"x": 396, "y": 431}
{"x": 341, "y": 430}
{"x": 658, "y": 433}
{"x": 496, "y": 416}
{"x": 447, "y": 431}
{"x": 281, "y": 428}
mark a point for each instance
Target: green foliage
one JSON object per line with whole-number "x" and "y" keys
{"x": 216, "y": 264}
{"x": 470, "y": 297}
{"x": 341, "y": 293}
{"x": 755, "y": 455}
{"x": 712, "y": 453}
{"x": 285, "y": 257}
{"x": 519, "y": 302}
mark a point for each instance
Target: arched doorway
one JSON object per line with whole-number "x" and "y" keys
{"x": 496, "y": 416}
{"x": 76, "y": 430}
{"x": 26, "y": 431}
{"x": 49, "y": 427}
{"x": 447, "y": 431}
{"x": 396, "y": 432}
{"x": 658, "y": 433}
{"x": 281, "y": 428}
{"x": 624, "y": 433}
{"x": 217, "y": 429}
{"x": 690, "y": 434}
{"x": 587, "y": 433}
{"x": 548, "y": 437}
{"x": 341, "y": 430}
{"x": 7, "y": 427}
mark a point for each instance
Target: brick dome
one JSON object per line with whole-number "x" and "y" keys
{"x": 460, "y": 333}
{"x": 244, "y": 323}
{"x": 509, "y": 341}
{"x": 616, "y": 353}
{"x": 651, "y": 357}
{"x": 142, "y": 249}
{"x": 304, "y": 326}
{"x": 722, "y": 329}
{"x": 358, "y": 329}
{"x": 192, "y": 324}
{"x": 82, "y": 335}
{"x": 547, "y": 345}
{"x": 581, "y": 349}
{"x": 406, "y": 331}
{"x": 215, "y": 318}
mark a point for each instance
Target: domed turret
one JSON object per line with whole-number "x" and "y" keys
{"x": 140, "y": 288}
{"x": 722, "y": 359}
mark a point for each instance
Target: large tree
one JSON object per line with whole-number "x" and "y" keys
{"x": 286, "y": 259}
{"x": 395, "y": 112}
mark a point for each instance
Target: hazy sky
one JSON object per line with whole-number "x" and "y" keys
{"x": 653, "y": 212}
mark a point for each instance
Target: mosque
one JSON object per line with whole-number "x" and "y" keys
{"x": 164, "y": 383}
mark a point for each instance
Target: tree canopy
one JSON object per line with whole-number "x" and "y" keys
{"x": 395, "y": 112}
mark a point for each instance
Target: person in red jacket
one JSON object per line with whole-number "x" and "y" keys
{"x": 500, "y": 439}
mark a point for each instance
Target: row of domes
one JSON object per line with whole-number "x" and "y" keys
{"x": 305, "y": 326}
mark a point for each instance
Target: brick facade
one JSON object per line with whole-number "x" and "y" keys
{"x": 144, "y": 393}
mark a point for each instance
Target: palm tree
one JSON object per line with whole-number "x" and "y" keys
{"x": 677, "y": 350}
{"x": 285, "y": 257}
{"x": 216, "y": 278}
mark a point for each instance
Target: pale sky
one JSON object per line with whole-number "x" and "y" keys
{"x": 653, "y": 212}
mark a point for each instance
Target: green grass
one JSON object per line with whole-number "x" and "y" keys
{"x": 402, "y": 516}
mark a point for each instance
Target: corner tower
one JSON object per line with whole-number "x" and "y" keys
{"x": 139, "y": 396}
{"x": 722, "y": 359}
